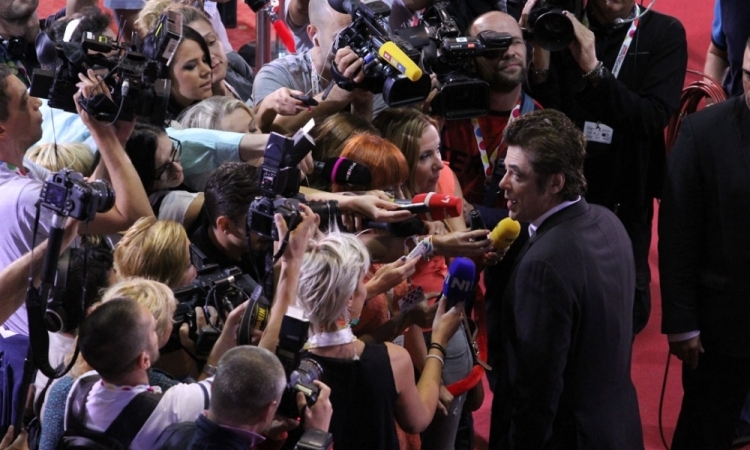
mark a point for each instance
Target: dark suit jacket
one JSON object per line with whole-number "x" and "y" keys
{"x": 704, "y": 242}
{"x": 567, "y": 333}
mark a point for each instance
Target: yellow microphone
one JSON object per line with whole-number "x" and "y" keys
{"x": 505, "y": 233}
{"x": 398, "y": 59}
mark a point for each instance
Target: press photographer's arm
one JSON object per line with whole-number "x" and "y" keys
{"x": 131, "y": 202}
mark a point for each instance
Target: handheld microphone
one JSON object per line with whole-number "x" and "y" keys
{"x": 432, "y": 206}
{"x": 459, "y": 284}
{"x": 344, "y": 171}
{"x": 398, "y": 59}
{"x": 505, "y": 233}
{"x": 405, "y": 228}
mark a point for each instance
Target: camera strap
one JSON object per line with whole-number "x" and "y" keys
{"x": 625, "y": 43}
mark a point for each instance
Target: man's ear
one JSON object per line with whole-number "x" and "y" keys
{"x": 312, "y": 33}
{"x": 144, "y": 360}
{"x": 556, "y": 183}
{"x": 223, "y": 223}
{"x": 268, "y": 412}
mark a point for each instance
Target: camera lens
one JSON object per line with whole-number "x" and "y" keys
{"x": 328, "y": 211}
{"x": 102, "y": 195}
{"x": 308, "y": 371}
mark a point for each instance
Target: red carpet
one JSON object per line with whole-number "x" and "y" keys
{"x": 650, "y": 348}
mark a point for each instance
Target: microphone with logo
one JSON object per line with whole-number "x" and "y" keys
{"x": 344, "y": 171}
{"x": 458, "y": 287}
{"x": 505, "y": 233}
{"x": 432, "y": 206}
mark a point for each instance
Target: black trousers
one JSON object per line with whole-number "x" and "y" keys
{"x": 714, "y": 394}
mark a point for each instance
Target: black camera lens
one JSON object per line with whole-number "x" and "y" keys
{"x": 102, "y": 196}
{"x": 328, "y": 211}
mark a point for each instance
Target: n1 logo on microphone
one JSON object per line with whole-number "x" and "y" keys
{"x": 462, "y": 285}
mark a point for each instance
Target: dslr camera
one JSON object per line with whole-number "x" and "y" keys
{"x": 549, "y": 26}
{"x": 68, "y": 195}
{"x": 222, "y": 289}
{"x": 279, "y": 183}
{"x": 132, "y": 79}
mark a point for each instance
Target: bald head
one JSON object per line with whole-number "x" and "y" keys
{"x": 495, "y": 21}
{"x": 325, "y": 24}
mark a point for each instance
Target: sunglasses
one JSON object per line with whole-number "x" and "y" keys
{"x": 174, "y": 155}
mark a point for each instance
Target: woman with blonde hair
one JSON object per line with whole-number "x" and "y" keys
{"x": 54, "y": 157}
{"x": 372, "y": 385}
{"x": 157, "y": 250}
{"x": 220, "y": 113}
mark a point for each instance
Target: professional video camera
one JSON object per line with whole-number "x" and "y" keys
{"x": 549, "y": 26}
{"x": 448, "y": 54}
{"x": 279, "y": 184}
{"x": 223, "y": 289}
{"x": 390, "y": 62}
{"x": 131, "y": 78}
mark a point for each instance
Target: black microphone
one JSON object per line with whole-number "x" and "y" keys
{"x": 405, "y": 228}
{"x": 344, "y": 171}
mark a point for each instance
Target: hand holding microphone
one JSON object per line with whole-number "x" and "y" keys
{"x": 457, "y": 287}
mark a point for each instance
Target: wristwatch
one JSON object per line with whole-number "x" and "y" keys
{"x": 596, "y": 73}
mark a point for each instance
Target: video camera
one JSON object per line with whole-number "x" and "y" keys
{"x": 448, "y": 54}
{"x": 390, "y": 62}
{"x": 132, "y": 79}
{"x": 549, "y": 26}
{"x": 224, "y": 290}
{"x": 279, "y": 183}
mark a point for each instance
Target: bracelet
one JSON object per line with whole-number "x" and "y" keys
{"x": 209, "y": 370}
{"x": 594, "y": 72}
{"x": 442, "y": 363}
{"x": 437, "y": 346}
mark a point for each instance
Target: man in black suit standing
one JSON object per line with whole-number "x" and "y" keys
{"x": 704, "y": 264}
{"x": 564, "y": 378}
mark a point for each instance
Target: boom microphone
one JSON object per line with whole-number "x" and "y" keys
{"x": 344, "y": 171}
{"x": 505, "y": 233}
{"x": 432, "y": 206}
{"x": 459, "y": 284}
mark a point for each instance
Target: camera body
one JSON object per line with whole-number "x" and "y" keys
{"x": 300, "y": 372}
{"x": 366, "y": 35}
{"x": 67, "y": 194}
{"x": 132, "y": 79}
{"x": 448, "y": 55}
{"x": 224, "y": 289}
{"x": 549, "y": 26}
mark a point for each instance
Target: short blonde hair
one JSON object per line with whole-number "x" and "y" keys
{"x": 149, "y": 16}
{"x": 153, "y": 249}
{"x": 209, "y": 112}
{"x": 72, "y": 155}
{"x": 155, "y": 296}
{"x": 329, "y": 276}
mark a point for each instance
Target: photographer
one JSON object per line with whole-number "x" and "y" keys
{"x": 310, "y": 72}
{"x": 242, "y": 409}
{"x": 622, "y": 105}
{"x": 20, "y": 127}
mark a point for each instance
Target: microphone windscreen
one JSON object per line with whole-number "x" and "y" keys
{"x": 345, "y": 171}
{"x": 441, "y": 206}
{"x": 338, "y": 6}
{"x": 398, "y": 59}
{"x": 459, "y": 284}
{"x": 505, "y": 233}
{"x": 46, "y": 53}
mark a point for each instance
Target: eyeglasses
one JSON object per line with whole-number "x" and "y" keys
{"x": 174, "y": 156}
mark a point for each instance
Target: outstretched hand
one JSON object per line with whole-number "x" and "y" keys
{"x": 300, "y": 236}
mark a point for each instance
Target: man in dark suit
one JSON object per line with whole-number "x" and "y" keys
{"x": 704, "y": 263}
{"x": 566, "y": 315}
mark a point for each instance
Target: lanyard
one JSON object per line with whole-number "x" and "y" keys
{"x": 488, "y": 161}
{"x": 625, "y": 43}
{"x": 315, "y": 78}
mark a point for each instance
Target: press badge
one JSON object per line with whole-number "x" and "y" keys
{"x": 597, "y": 132}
